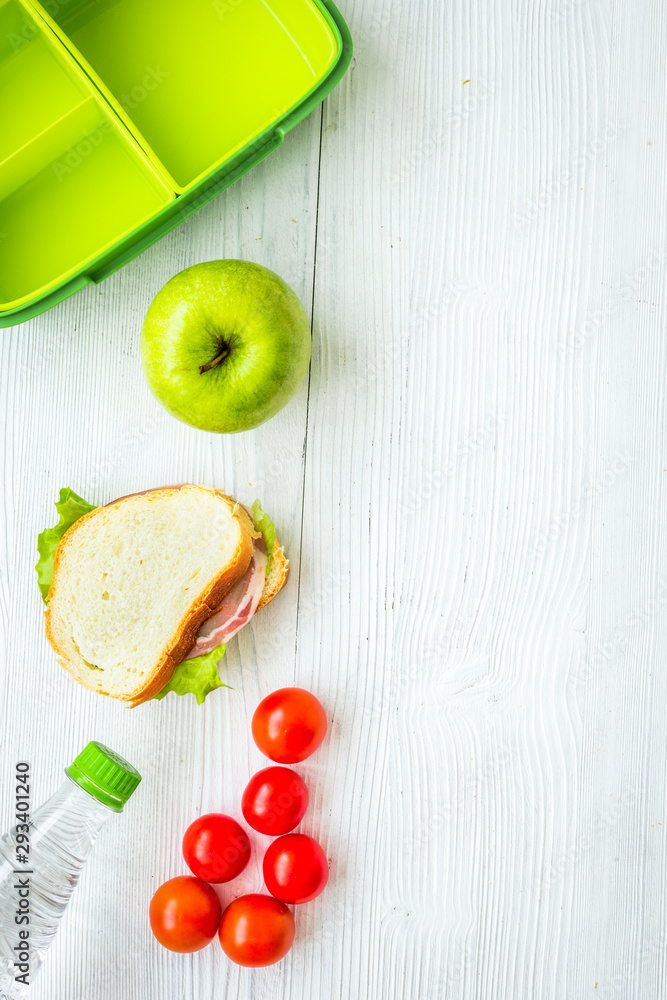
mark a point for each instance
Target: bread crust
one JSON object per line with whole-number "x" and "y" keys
{"x": 277, "y": 577}
{"x": 182, "y": 641}
{"x": 273, "y": 586}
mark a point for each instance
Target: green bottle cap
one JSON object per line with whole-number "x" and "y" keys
{"x": 105, "y": 775}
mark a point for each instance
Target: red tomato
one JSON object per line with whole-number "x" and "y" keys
{"x": 216, "y": 848}
{"x": 275, "y": 800}
{"x": 256, "y": 930}
{"x": 289, "y": 725}
{"x": 184, "y": 914}
{"x": 295, "y": 868}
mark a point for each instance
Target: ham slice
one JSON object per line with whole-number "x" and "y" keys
{"x": 237, "y": 607}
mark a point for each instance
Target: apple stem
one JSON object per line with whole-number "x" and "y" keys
{"x": 216, "y": 361}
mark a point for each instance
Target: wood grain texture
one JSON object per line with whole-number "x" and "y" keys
{"x": 471, "y": 489}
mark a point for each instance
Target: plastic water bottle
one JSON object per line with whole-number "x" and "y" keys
{"x": 41, "y": 859}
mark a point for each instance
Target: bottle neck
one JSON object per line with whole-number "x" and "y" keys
{"x": 85, "y": 801}
{"x": 76, "y": 809}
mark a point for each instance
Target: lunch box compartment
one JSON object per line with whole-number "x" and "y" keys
{"x": 198, "y": 81}
{"x": 120, "y": 118}
{"x": 87, "y": 188}
{"x": 71, "y": 180}
{"x": 37, "y": 86}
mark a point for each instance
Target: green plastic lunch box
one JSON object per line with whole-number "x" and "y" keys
{"x": 120, "y": 118}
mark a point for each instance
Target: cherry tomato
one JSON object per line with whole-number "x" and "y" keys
{"x": 275, "y": 800}
{"x": 289, "y": 725}
{"x": 184, "y": 914}
{"x": 216, "y": 848}
{"x": 295, "y": 868}
{"x": 256, "y": 930}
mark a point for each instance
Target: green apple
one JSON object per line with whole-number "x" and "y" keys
{"x": 225, "y": 345}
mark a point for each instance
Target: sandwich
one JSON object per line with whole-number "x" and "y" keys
{"x": 143, "y": 594}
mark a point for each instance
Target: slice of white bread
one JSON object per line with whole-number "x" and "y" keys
{"x": 134, "y": 581}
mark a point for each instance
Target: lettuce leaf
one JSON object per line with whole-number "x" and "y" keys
{"x": 198, "y": 676}
{"x": 70, "y": 507}
{"x": 264, "y": 524}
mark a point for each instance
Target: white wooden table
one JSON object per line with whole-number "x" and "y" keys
{"x": 471, "y": 489}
